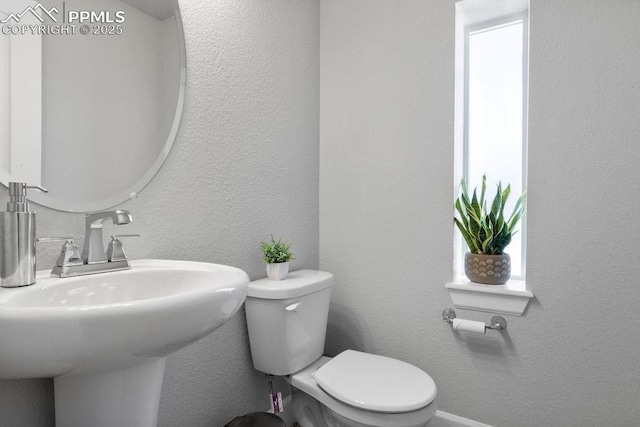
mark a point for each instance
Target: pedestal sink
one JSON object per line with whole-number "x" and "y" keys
{"x": 104, "y": 337}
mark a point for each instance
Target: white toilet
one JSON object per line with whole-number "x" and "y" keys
{"x": 287, "y": 323}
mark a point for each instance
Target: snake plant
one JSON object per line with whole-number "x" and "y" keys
{"x": 484, "y": 227}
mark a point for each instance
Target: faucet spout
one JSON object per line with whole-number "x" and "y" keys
{"x": 93, "y": 251}
{"x": 96, "y": 219}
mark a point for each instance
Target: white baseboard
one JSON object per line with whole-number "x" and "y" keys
{"x": 444, "y": 419}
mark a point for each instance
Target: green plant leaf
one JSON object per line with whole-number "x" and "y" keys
{"x": 497, "y": 201}
{"x": 467, "y": 237}
{"x": 499, "y": 225}
{"x": 483, "y": 225}
{"x": 486, "y": 243}
{"x": 463, "y": 185}
{"x": 518, "y": 211}
{"x": 484, "y": 190}
{"x": 500, "y": 243}
{"x": 505, "y": 196}
{"x": 463, "y": 217}
{"x": 513, "y": 221}
{"x": 276, "y": 252}
{"x": 475, "y": 222}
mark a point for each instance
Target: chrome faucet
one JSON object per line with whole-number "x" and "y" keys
{"x": 94, "y": 258}
{"x": 93, "y": 251}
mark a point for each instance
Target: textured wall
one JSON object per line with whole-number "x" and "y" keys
{"x": 386, "y": 167}
{"x": 245, "y": 165}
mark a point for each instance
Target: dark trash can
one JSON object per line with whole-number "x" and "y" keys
{"x": 256, "y": 419}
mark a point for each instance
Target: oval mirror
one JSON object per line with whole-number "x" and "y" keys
{"x": 89, "y": 103}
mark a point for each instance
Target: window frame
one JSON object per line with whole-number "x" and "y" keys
{"x": 513, "y": 297}
{"x": 468, "y": 29}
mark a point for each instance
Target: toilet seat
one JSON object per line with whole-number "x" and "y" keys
{"x": 376, "y": 383}
{"x": 304, "y": 382}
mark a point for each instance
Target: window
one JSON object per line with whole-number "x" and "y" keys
{"x": 492, "y": 114}
{"x": 491, "y": 133}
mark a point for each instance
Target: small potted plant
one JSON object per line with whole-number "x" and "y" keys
{"x": 277, "y": 255}
{"x": 487, "y": 233}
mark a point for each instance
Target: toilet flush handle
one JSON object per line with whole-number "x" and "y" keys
{"x": 293, "y": 307}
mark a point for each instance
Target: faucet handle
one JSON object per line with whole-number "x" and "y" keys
{"x": 115, "y": 252}
{"x": 69, "y": 255}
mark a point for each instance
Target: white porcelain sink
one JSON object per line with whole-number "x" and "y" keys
{"x": 104, "y": 337}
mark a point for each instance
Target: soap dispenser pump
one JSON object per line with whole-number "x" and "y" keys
{"x": 18, "y": 239}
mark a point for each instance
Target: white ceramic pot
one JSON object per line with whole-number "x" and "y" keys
{"x": 278, "y": 271}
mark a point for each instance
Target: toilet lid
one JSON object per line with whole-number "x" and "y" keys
{"x": 376, "y": 383}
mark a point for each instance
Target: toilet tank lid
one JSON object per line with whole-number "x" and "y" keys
{"x": 297, "y": 284}
{"x": 376, "y": 383}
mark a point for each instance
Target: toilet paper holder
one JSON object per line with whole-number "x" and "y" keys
{"x": 497, "y": 323}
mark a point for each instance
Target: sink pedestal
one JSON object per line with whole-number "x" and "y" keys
{"x": 124, "y": 397}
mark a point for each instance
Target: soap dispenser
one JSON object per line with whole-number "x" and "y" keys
{"x": 18, "y": 239}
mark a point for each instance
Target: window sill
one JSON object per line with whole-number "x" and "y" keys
{"x": 511, "y": 298}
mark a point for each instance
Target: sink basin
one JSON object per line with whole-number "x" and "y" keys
{"x": 109, "y": 333}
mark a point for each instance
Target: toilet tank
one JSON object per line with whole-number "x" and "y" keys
{"x": 287, "y": 320}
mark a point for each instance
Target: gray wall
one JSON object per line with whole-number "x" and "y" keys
{"x": 251, "y": 130}
{"x": 386, "y": 192}
{"x": 245, "y": 165}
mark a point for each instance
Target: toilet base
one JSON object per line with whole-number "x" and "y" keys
{"x": 309, "y": 412}
{"x": 313, "y": 407}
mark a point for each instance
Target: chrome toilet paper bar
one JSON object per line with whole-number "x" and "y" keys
{"x": 497, "y": 323}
